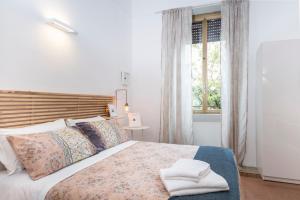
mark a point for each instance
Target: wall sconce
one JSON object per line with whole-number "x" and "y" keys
{"x": 61, "y": 26}
{"x": 126, "y": 105}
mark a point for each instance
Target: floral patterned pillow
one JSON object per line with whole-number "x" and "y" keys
{"x": 44, "y": 153}
{"x": 103, "y": 130}
{"x": 121, "y": 133}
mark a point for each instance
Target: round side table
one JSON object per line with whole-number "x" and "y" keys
{"x": 132, "y": 129}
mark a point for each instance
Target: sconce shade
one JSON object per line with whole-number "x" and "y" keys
{"x": 126, "y": 107}
{"x": 61, "y": 26}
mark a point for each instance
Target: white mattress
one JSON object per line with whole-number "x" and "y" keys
{"x": 21, "y": 187}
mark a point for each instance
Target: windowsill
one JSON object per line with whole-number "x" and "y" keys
{"x": 206, "y": 117}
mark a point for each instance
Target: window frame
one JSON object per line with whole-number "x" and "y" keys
{"x": 204, "y": 18}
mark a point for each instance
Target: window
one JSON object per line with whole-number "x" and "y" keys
{"x": 206, "y": 63}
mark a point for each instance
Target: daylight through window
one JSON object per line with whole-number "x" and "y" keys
{"x": 206, "y": 63}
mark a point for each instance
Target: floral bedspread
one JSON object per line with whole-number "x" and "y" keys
{"x": 131, "y": 174}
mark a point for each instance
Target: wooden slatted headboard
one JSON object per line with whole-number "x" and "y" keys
{"x": 20, "y": 108}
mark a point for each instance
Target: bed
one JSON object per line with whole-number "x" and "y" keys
{"x": 126, "y": 171}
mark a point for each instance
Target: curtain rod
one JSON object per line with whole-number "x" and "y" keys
{"x": 199, "y": 6}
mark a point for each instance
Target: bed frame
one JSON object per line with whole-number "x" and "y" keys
{"x": 23, "y": 108}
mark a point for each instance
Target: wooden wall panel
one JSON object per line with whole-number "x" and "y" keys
{"x": 20, "y": 108}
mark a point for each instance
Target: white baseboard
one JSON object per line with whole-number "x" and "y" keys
{"x": 283, "y": 180}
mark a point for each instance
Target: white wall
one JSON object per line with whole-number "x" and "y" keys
{"x": 207, "y": 133}
{"x": 269, "y": 20}
{"x": 35, "y": 56}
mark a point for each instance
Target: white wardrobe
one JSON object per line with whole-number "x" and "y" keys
{"x": 278, "y": 111}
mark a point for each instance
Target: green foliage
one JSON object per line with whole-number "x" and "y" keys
{"x": 213, "y": 75}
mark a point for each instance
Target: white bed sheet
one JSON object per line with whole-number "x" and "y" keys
{"x": 21, "y": 187}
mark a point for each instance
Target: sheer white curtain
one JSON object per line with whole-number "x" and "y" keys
{"x": 234, "y": 67}
{"x": 176, "y": 102}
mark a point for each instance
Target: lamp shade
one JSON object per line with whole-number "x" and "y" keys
{"x": 126, "y": 107}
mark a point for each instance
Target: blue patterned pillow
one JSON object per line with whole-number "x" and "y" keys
{"x": 90, "y": 132}
{"x": 100, "y": 132}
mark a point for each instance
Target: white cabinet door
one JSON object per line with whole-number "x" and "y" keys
{"x": 279, "y": 126}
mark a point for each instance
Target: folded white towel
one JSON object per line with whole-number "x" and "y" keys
{"x": 186, "y": 169}
{"x": 212, "y": 180}
{"x": 173, "y": 174}
{"x": 210, "y": 183}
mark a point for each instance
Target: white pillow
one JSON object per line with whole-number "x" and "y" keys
{"x": 7, "y": 155}
{"x": 72, "y": 122}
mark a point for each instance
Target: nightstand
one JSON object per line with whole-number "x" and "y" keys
{"x": 132, "y": 129}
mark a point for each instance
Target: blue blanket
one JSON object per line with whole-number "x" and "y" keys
{"x": 221, "y": 161}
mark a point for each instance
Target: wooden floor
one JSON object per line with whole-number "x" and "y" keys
{"x": 257, "y": 189}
